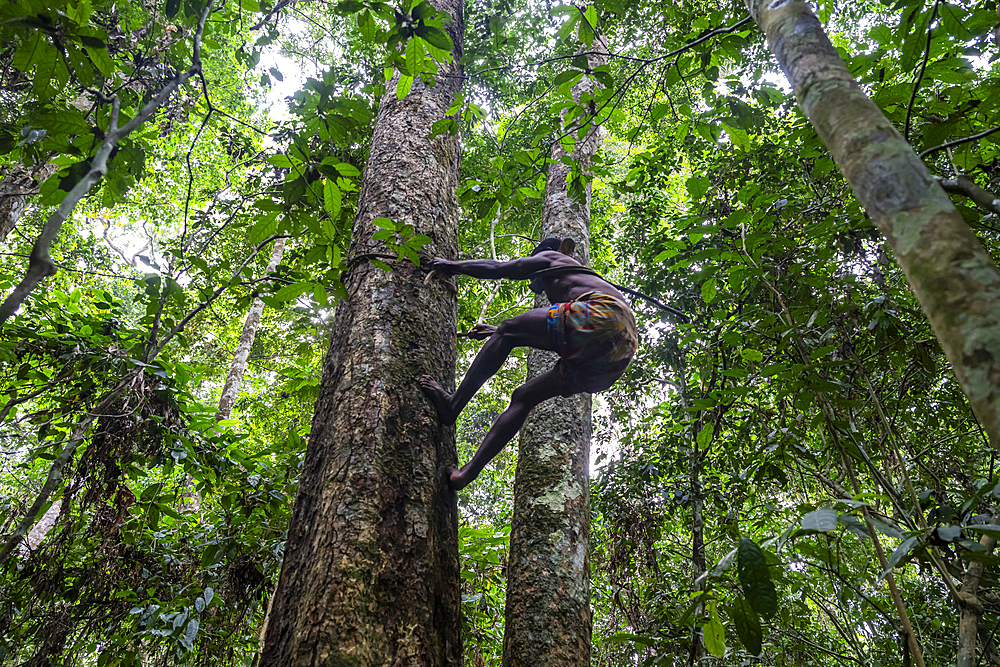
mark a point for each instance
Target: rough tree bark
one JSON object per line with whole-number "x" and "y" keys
{"x": 16, "y": 187}
{"x": 548, "y": 614}
{"x": 371, "y": 570}
{"x": 949, "y": 271}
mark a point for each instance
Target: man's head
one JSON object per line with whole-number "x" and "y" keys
{"x": 552, "y": 243}
{"x": 537, "y": 285}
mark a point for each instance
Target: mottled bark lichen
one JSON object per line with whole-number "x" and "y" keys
{"x": 371, "y": 573}
{"x": 949, "y": 271}
{"x": 548, "y": 615}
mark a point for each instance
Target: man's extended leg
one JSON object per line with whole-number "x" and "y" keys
{"x": 528, "y": 329}
{"x": 540, "y": 388}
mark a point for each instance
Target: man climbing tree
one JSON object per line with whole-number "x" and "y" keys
{"x": 589, "y": 325}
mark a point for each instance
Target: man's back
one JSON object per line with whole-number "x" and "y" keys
{"x": 566, "y": 285}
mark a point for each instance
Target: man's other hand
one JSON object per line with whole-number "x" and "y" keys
{"x": 481, "y": 331}
{"x": 444, "y": 267}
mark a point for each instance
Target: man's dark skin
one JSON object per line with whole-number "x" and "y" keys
{"x": 529, "y": 329}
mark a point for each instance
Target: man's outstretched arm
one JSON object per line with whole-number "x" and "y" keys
{"x": 517, "y": 269}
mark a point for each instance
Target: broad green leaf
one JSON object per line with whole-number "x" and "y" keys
{"x": 366, "y": 24}
{"x": 263, "y": 228}
{"x": 587, "y": 29}
{"x": 705, "y": 435}
{"x": 79, "y": 12}
{"x": 415, "y": 56}
{"x": 281, "y": 160}
{"x": 171, "y": 8}
{"x": 697, "y": 187}
{"x": 437, "y": 38}
{"x": 709, "y": 289}
{"x": 755, "y": 578}
{"x": 347, "y": 170}
{"x": 714, "y": 633}
{"x": 331, "y": 199}
{"x": 747, "y": 625}
{"x": 403, "y": 86}
{"x": 755, "y": 356}
{"x": 293, "y": 291}
{"x": 822, "y": 520}
{"x": 904, "y": 549}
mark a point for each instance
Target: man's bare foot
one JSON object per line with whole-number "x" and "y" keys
{"x": 439, "y": 397}
{"x": 456, "y": 480}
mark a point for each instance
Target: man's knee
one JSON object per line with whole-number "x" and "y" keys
{"x": 521, "y": 395}
{"x": 507, "y": 328}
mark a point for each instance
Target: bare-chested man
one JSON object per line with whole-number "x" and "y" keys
{"x": 589, "y": 325}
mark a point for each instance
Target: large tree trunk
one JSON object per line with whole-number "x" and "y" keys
{"x": 17, "y": 186}
{"x": 949, "y": 271}
{"x": 548, "y": 615}
{"x": 371, "y": 571}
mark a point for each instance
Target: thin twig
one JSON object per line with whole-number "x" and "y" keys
{"x": 920, "y": 75}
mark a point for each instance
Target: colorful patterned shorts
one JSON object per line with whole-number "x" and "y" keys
{"x": 595, "y": 336}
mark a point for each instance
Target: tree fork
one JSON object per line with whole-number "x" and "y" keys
{"x": 371, "y": 570}
{"x": 548, "y": 615}
{"x": 949, "y": 271}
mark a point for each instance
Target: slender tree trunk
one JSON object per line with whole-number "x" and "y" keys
{"x": 231, "y": 390}
{"x": 17, "y": 186}
{"x": 970, "y": 609}
{"x": 371, "y": 571}
{"x": 697, "y": 649}
{"x": 949, "y": 271}
{"x": 548, "y": 615}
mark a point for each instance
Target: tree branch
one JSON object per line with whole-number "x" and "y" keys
{"x": 40, "y": 265}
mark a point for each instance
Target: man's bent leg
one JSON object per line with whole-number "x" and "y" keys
{"x": 528, "y": 329}
{"x": 531, "y": 393}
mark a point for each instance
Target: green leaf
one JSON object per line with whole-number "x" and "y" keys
{"x": 293, "y": 291}
{"x": 332, "y": 199}
{"x": 384, "y": 223}
{"x": 714, "y": 633}
{"x": 568, "y": 75}
{"x": 264, "y": 227}
{"x": 705, "y": 435}
{"x": 79, "y": 12}
{"x": 172, "y": 7}
{"x": 904, "y": 549}
{"x": 437, "y": 38}
{"x": 403, "y": 86}
{"x": 755, "y": 578}
{"x": 276, "y": 73}
{"x": 709, "y": 289}
{"x": 821, "y": 520}
{"x": 754, "y": 356}
{"x": 281, "y": 160}
{"x": 415, "y": 56}
{"x": 347, "y": 170}
{"x": 747, "y": 625}
{"x": 366, "y": 24}
{"x": 587, "y": 30}
{"x": 697, "y": 187}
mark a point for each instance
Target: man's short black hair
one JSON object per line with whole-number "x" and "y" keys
{"x": 552, "y": 243}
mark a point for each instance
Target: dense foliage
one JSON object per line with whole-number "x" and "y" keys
{"x": 744, "y": 467}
